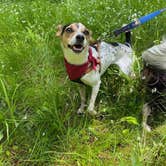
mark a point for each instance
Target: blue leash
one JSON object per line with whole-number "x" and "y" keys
{"x": 138, "y": 22}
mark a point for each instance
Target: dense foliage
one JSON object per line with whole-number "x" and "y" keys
{"x": 38, "y": 121}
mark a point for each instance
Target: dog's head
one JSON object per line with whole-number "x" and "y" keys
{"x": 75, "y": 37}
{"x": 156, "y": 56}
{"x": 154, "y": 71}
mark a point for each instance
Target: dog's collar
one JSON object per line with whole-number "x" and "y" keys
{"x": 75, "y": 72}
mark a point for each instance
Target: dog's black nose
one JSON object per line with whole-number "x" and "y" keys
{"x": 80, "y": 38}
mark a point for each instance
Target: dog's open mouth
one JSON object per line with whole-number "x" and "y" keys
{"x": 77, "y": 48}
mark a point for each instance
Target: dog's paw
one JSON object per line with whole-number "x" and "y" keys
{"x": 147, "y": 127}
{"x": 80, "y": 111}
{"x": 92, "y": 112}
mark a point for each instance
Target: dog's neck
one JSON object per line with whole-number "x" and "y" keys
{"x": 74, "y": 58}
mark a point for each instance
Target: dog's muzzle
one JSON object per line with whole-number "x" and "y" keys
{"x": 78, "y": 47}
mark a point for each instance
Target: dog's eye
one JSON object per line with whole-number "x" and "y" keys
{"x": 69, "y": 30}
{"x": 86, "y": 32}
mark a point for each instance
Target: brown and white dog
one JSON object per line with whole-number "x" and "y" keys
{"x": 86, "y": 63}
{"x": 154, "y": 75}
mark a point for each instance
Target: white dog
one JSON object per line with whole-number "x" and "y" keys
{"x": 154, "y": 74}
{"x": 86, "y": 63}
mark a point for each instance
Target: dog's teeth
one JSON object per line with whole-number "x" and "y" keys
{"x": 76, "y": 48}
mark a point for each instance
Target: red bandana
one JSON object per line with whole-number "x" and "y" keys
{"x": 77, "y": 71}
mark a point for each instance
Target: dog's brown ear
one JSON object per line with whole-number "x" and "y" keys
{"x": 90, "y": 32}
{"x": 91, "y": 40}
{"x": 59, "y": 30}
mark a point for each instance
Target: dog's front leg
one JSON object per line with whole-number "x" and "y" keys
{"x": 95, "y": 90}
{"x": 83, "y": 99}
{"x": 146, "y": 113}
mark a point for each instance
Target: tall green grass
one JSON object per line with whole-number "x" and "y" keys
{"x": 38, "y": 104}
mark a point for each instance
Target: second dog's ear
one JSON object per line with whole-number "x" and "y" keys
{"x": 59, "y": 30}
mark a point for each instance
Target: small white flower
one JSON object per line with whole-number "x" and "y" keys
{"x": 154, "y": 90}
{"x": 131, "y": 90}
{"x": 134, "y": 16}
{"x": 144, "y": 77}
{"x": 25, "y": 117}
{"x": 23, "y": 21}
{"x": 3, "y": 66}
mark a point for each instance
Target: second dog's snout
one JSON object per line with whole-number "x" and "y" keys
{"x": 80, "y": 38}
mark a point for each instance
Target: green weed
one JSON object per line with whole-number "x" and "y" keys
{"x": 38, "y": 104}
